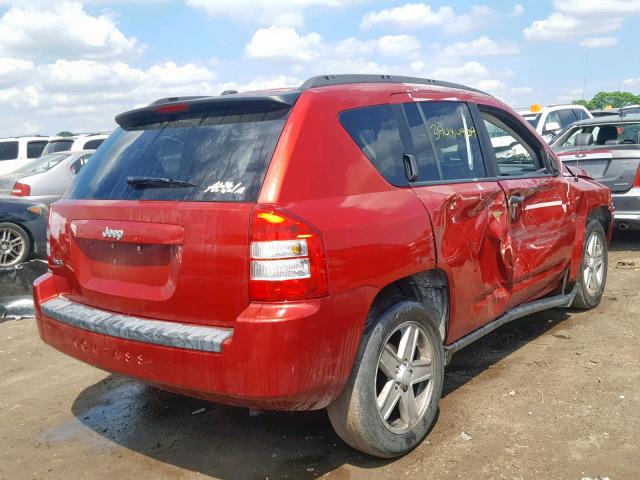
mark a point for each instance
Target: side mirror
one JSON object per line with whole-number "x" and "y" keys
{"x": 551, "y": 127}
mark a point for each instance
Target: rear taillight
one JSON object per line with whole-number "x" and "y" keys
{"x": 636, "y": 182}
{"x": 287, "y": 257}
{"x": 49, "y": 258}
{"x": 172, "y": 108}
{"x": 21, "y": 190}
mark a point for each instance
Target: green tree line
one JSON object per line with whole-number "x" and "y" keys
{"x": 613, "y": 99}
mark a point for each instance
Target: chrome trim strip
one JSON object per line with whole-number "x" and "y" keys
{"x": 158, "y": 332}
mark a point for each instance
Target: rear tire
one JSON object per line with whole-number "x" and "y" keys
{"x": 14, "y": 244}
{"x": 592, "y": 276}
{"x": 391, "y": 398}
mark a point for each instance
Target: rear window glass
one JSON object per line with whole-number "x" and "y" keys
{"x": 375, "y": 130}
{"x": 224, "y": 157}
{"x": 57, "y": 146}
{"x": 93, "y": 144}
{"x": 34, "y": 149}
{"x": 8, "y": 150}
{"x": 42, "y": 164}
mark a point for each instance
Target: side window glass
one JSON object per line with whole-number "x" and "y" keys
{"x": 514, "y": 156}
{"x": 580, "y": 114}
{"x": 8, "y": 150}
{"x": 78, "y": 164}
{"x": 34, "y": 149}
{"x": 573, "y": 140}
{"x": 375, "y": 130}
{"x": 629, "y": 134}
{"x": 455, "y": 140}
{"x": 425, "y": 158}
{"x": 566, "y": 117}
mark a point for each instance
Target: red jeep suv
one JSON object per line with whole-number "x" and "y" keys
{"x": 329, "y": 246}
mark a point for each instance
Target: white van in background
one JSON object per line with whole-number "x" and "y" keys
{"x": 75, "y": 143}
{"x": 17, "y": 150}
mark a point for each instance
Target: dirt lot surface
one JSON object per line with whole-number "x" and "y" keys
{"x": 552, "y": 396}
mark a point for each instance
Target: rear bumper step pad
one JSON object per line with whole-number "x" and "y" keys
{"x": 159, "y": 332}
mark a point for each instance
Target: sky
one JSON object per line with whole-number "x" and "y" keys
{"x": 71, "y": 65}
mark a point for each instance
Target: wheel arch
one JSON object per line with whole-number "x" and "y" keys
{"x": 429, "y": 287}
{"x": 604, "y": 215}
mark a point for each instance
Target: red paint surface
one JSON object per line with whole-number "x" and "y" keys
{"x": 192, "y": 264}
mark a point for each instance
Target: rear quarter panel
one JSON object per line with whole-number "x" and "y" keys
{"x": 374, "y": 233}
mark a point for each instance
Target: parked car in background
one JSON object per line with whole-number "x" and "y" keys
{"x": 75, "y": 143}
{"x": 331, "y": 245}
{"x": 44, "y": 179}
{"x": 630, "y": 110}
{"x": 609, "y": 149}
{"x": 549, "y": 121}
{"x": 15, "y": 151}
{"x": 604, "y": 112}
{"x": 23, "y": 230}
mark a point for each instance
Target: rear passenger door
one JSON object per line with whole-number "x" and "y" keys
{"x": 540, "y": 215}
{"x": 467, "y": 209}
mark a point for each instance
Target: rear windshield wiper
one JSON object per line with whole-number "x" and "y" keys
{"x": 157, "y": 182}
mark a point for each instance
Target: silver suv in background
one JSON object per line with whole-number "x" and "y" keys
{"x": 15, "y": 151}
{"x": 75, "y": 143}
{"x": 609, "y": 149}
{"x": 45, "y": 179}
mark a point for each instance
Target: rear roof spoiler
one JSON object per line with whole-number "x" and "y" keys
{"x": 238, "y": 104}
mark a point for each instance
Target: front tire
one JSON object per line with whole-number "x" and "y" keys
{"x": 391, "y": 398}
{"x": 592, "y": 276}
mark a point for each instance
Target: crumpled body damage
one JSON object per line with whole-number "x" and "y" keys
{"x": 472, "y": 242}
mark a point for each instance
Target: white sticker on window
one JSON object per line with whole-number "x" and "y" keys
{"x": 226, "y": 187}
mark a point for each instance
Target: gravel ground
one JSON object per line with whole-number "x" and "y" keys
{"x": 555, "y": 395}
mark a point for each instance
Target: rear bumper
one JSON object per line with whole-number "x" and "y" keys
{"x": 292, "y": 356}
{"x": 627, "y": 209}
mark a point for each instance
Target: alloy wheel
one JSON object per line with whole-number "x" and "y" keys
{"x": 12, "y": 247}
{"x": 593, "y": 265}
{"x": 404, "y": 377}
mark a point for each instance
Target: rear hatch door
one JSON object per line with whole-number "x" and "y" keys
{"x": 157, "y": 223}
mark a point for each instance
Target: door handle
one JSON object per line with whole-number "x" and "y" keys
{"x": 410, "y": 167}
{"x": 514, "y": 201}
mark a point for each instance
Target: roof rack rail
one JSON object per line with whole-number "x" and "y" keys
{"x": 26, "y": 136}
{"x": 326, "y": 80}
{"x": 175, "y": 99}
{"x": 565, "y": 105}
